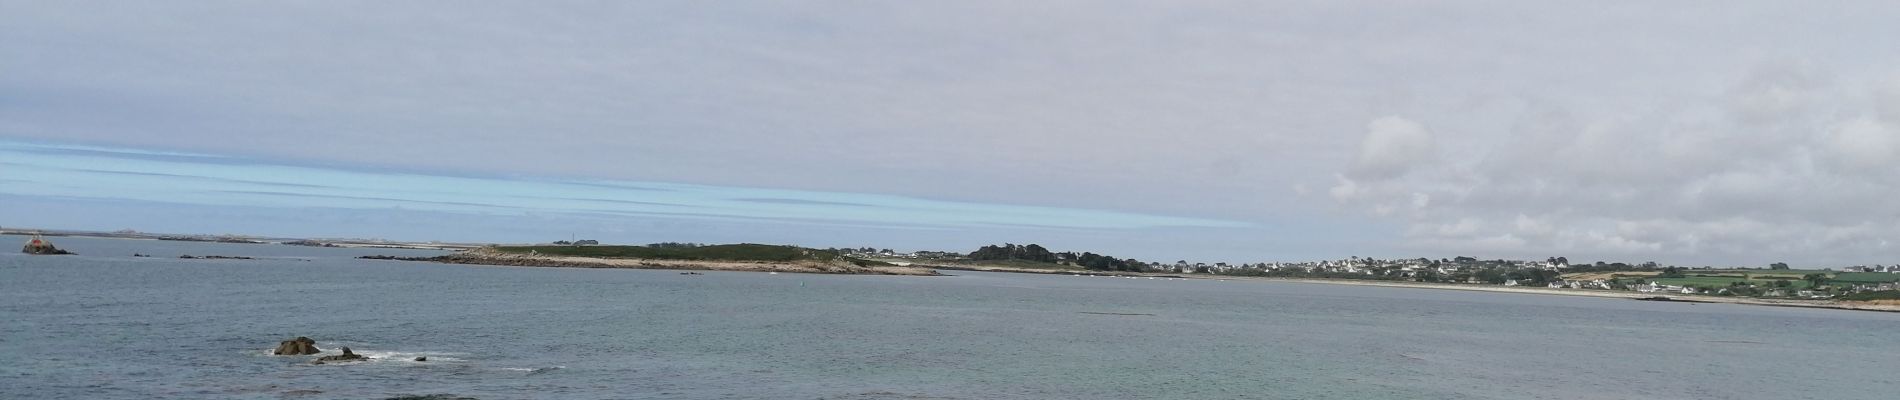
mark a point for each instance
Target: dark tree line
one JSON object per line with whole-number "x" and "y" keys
{"x": 1036, "y": 253}
{"x": 1010, "y": 251}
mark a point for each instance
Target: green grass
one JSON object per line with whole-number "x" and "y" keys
{"x": 1880, "y": 295}
{"x": 724, "y": 252}
{"x": 1866, "y": 277}
{"x": 1762, "y": 273}
{"x": 1717, "y": 282}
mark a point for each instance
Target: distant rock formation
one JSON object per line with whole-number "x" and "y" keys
{"x": 301, "y": 346}
{"x": 346, "y": 356}
{"x": 192, "y": 257}
{"x": 39, "y": 245}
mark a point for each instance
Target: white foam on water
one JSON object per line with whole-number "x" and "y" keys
{"x": 409, "y": 356}
{"x": 532, "y": 371}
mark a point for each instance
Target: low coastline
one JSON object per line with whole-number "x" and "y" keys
{"x": 1826, "y": 304}
{"x": 1829, "y": 304}
{"x": 484, "y": 256}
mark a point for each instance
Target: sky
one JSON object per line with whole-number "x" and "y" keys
{"x": 1689, "y": 133}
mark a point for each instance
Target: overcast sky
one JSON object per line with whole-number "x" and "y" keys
{"x": 1693, "y": 133}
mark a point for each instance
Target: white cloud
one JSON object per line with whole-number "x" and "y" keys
{"x": 1392, "y": 147}
{"x": 1764, "y": 172}
{"x": 1865, "y": 143}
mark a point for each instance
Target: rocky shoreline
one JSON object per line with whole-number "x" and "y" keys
{"x": 486, "y": 256}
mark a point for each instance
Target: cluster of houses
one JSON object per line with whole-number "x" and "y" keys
{"x": 1370, "y": 266}
{"x": 1405, "y": 268}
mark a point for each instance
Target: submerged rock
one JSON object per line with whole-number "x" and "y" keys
{"x": 301, "y": 346}
{"x": 346, "y": 356}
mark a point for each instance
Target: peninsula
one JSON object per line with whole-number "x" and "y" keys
{"x": 727, "y": 257}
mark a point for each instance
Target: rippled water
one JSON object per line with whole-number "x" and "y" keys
{"x": 106, "y": 325}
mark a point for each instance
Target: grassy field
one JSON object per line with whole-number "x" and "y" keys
{"x": 724, "y": 252}
{"x": 1724, "y": 281}
{"x": 1866, "y": 277}
{"x": 1869, "y": 296}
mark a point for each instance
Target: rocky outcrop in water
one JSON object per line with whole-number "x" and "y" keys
{"x": 192, "y": 257}
{"x": 301, "y": 346}
{"x": 40, "y": 246}
{"x": 346, "y": 356}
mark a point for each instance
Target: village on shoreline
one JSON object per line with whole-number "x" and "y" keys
{"x": 1863, "y": 287}
{"x": 1875, "y": 287}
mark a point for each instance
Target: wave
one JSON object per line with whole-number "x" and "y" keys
{"x": 536, "y": 371}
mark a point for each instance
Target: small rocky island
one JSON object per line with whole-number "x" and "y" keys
{"x": 303, "y": 346}
{"x": 40, "y": 246}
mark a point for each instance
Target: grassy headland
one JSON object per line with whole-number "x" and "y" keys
{"x": 729, "y": 257}
{"x": 722, "y": 252}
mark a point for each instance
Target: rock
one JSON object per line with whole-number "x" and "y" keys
{"x": 422, "y": 359}
{"x": 346, "y": 356}
{"x": 301, "y": 346}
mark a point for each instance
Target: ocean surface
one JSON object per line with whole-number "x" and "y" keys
{"x": 105, "y": 325}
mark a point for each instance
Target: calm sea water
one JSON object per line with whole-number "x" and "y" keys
{"x": 105, "y": 325}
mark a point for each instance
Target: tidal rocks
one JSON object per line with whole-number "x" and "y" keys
{"x": 422, "y": 359}
{"x": 301, "y": 346}
{"x": 346, "y": 356}
{"x": 192, "y": 257}
{"x": 395, "y": 258}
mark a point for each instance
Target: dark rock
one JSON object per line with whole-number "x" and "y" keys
{"x": 40, "y": 246}
{"x": 346, "y": 356}
{"x": 190, "y": 257}
{"x": 301, "y": 346}
{"x": 422, "y": 359}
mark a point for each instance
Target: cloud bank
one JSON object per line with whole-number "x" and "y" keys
{"x": 1785, "y": 163}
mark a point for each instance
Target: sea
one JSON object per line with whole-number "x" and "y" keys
{"x": 107, "y": 325}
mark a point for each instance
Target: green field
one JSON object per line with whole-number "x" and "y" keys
{"x": 1867, "y": 296}
{"x": 1866, "y": 277}
{"x": 1724, "y": 281}
{"x": 724, "y": 252}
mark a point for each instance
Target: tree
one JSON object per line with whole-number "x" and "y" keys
{"x": 1778, "y": 265}
{"x": 1815, "y": 280}
{"x": 1671, "y": 272}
